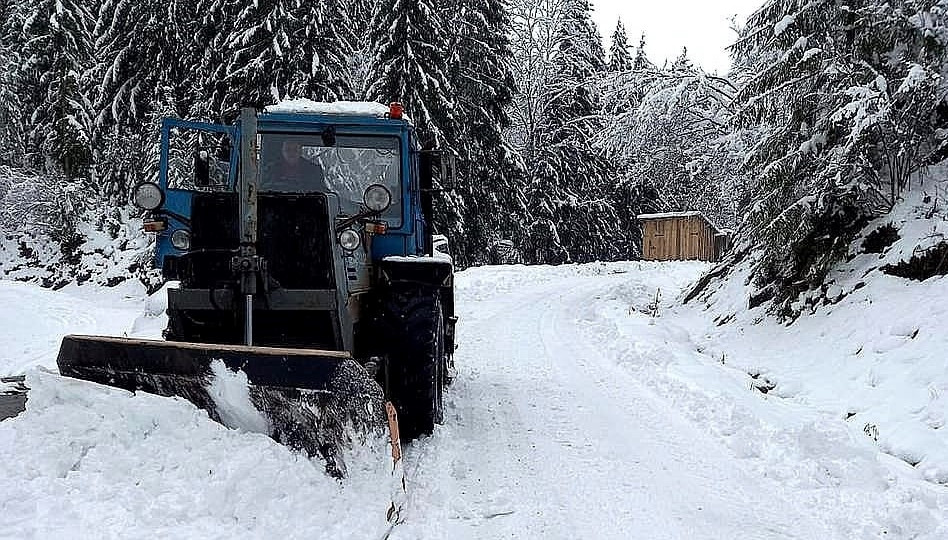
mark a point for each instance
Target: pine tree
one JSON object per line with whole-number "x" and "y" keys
{"x": 487, "y": 205}
{"x": 845, "y": 116}
{"x": 571, "y": 193}
{"x": 327, "y": 41}
{"x": 260, "y": 59}
{"x": 683, "y": 63}
{"x": 149, "y": 58}
{"x": 358, "y": 16}
{"x": 12, "y": 130}
{"x": 410, "y": 37}
{"x": 146, "y": 49}
{"x": 282, "y": 49}
{"x": 57, "y": 52}
{"x": 641, "y": 61}
{"x": 619, "y": 58}
{"x": 216, "y": 25}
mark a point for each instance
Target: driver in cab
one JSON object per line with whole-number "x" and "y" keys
{"x": 292, "y": 172}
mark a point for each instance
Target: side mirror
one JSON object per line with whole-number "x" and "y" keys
{"x": 329, "y": 136}
{"x": 202, "y": 168}
{"x": 449, "y": 171}
{"x": 438, "y": 170}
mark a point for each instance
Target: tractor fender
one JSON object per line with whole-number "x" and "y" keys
{"x": 419, "y": 270}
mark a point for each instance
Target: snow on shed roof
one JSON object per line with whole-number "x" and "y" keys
{"x": 335, "y": 108}
{"x": 690, "y": 213}
{"x": 666, "y": 215}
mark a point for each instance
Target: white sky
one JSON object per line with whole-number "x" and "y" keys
{"x": 701, "y": 25}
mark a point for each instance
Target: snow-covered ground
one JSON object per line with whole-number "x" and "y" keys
{"x": 586, "y": 406}
{"x": 870, "y": 348}
{"x": 33, "y": 320}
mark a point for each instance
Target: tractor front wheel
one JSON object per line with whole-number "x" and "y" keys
{"x": 416, "y": 358}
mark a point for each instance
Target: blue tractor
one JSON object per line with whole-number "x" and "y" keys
{"x": 301, "y": 241}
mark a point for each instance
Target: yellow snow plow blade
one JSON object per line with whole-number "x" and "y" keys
{"x": 319, "y": 402}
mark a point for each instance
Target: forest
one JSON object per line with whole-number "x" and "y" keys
{"x": 829, "y": 111}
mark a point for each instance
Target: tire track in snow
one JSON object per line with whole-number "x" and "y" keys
{"x": 545, "y": 438}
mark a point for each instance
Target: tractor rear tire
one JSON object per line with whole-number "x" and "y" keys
{"x": 416, "y": 358}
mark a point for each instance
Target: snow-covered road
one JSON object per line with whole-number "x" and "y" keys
{"x": 549, "y": 438}
{"x": 586, "y": 406}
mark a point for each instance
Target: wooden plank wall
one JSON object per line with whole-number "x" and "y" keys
{"x": 678, "y": 238}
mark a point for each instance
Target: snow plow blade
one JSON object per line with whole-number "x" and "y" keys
{"x": 322, "y": 403}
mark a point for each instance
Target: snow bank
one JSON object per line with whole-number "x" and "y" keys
{"x": 869, "y": 349}
{"x": 33, "y": 319}
{"x": 88, "y": 461}
{"x": 704, "y": 373}
{"x": 108, "y": 252}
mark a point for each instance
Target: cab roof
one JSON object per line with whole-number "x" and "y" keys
{"x": 363, "y": 109}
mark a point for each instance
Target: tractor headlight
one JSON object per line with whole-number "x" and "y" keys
{"x": 181, "y": 239}
{"x": 377, "y": 198}
{"x": 148, "y": 196}
{"x": 350, "y": 240}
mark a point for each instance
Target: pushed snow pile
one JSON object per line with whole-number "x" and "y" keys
{"x": 231, "y": 394}
{"x": 152, "y": 321}
{"x": 88, "y": 461}
{"x": 869, "y": 346}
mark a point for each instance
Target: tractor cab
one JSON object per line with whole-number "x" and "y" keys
{"x": 363, "y": 157}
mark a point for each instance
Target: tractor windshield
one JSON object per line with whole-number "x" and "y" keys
{"x": 345, "y": 165}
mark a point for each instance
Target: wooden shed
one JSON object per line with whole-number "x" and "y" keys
{"x": 676, "y": 236}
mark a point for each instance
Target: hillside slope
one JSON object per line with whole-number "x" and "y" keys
{"x": 869, "y": 346}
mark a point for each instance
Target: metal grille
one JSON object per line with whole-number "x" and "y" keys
{"x": 293, "y": 237}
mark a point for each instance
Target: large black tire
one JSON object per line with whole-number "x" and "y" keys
{"x": 415, "y": 342}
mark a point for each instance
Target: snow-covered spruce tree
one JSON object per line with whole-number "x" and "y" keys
{"x": 622, "y": 89}
{"x": 146, "y": 49}
{"x": 281, "y": 49}
{"x": 573, "y": 184}
{"x": 358, "y": 16}
{"x": 259, "y": 65}
{"x": 846, "y": 94}
{"x": 216, "y": 21}
{"x": 410, "y": 66}
{"x": 619, "y": 57}
{"x": 148, "y": 61}
{"x": 641, "y": 61}
{"x": 326, "y": 40}
{"x": 487, "y": 201}
{"x": 57, "y": 52}
{"x": 12, "y": 130}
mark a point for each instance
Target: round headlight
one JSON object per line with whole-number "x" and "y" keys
{"x": 350, "y": 240}
{"x": 181, "y": 239}
{"x": 377, "y": 198}
{"x": 148, "y": 195}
